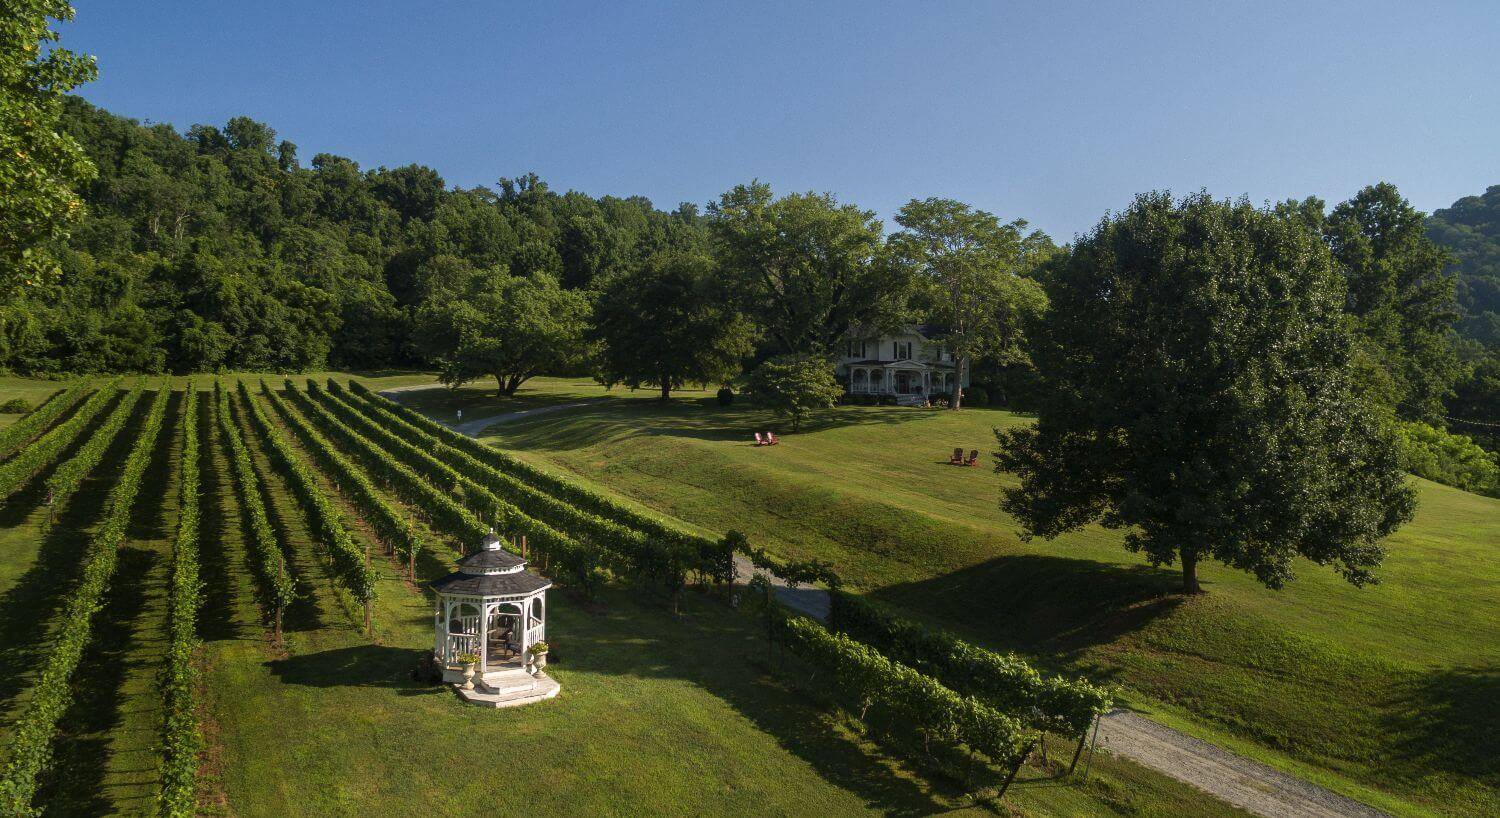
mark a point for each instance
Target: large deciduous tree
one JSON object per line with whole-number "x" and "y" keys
{"x": 805, "y": 267}
{"x": 510, "y": 328}
{"x": 1400, "y": 296}
{"x": 666, "y": 324}
{"x": 975, "y": 267}
{"x": 40, "y": 165}
{"x": 1199, "y": 393}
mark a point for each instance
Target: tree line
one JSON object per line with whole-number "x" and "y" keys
{"x": 216, "y": 249}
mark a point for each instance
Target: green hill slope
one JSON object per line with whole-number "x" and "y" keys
{"x": 1386, "y": 689}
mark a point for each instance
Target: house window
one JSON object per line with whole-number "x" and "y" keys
{"x": 856, "y": 349}
{"x": 903, "y": 350}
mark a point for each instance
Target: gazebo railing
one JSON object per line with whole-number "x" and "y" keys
{"x": 461, "y": 643}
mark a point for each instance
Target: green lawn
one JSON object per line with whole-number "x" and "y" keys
{"x": 659, "y": 714}
{"x": 1386, "y": 693}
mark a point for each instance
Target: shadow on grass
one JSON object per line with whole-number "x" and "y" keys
{"x": 719, "y": 651}
{"x": 28, "y": 605}
{"x": 156, "y": 482}
{"x": 216, "y": 616}
{"x": 356, "y": 666}
{"x": 1449, "y": 720}
{"x": 304, "y": 613}
{"x": 73, "y": 784}
{"x": 1041, "y": 604}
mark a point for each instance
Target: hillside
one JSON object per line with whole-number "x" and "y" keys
{"x": 1323, "y": 679}
{"x": 662, "y": 713}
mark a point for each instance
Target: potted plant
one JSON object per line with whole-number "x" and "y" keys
{"x": 468, "y": 660}
{"x": 539, "y": 655}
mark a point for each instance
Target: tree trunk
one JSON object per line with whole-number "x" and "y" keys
{"x": 666, "y": 389}
{"x": 956, "y": 402}
{"x": 1190, "y": 573}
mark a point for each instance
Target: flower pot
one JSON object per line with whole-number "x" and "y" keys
{"x": 468, "y": 676}
{"x": 540, "y": 660}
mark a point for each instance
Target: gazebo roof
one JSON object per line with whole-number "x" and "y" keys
{"x": 518, "y": 583}
{"x": 491, "y": 571}
{"x": 489, "y": 560}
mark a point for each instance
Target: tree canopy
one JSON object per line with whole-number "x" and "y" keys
{"x": 42, "y": 164}
{"x": 1470, "y": 231}
{"x": 804, "y": 267}
{"x": 1399, "y": 296}
{"x": 667, "y": 323}
{"x": 975, "y": 270}
{"x": 795, "y": 385}
{"x": 1200, "y": 394}
{"x": 510, "y": 328}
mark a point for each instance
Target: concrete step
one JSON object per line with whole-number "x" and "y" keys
{"x": 506, "y": 683}
{"x": 544, "y": 687}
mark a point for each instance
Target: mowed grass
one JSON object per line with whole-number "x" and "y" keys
{"x": 660, "y": 714}
{"x": 1387, "y": 693}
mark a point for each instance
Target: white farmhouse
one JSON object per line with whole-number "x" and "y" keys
{"x": 908, "y": 365}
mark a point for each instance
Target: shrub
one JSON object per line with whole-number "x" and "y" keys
{"x": 794, "y": 385}
{"x": 1443, "y": 457}
{"x": 726, "y": 396}
{"x": 976, "y": 396}
{"x": 15, "y": 406}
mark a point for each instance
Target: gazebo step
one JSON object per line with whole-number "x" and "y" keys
{"x": 543, "y": 687}
{"x": 506, "y": 683}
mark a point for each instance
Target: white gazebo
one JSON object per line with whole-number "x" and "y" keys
{"x": 494, "y": 608}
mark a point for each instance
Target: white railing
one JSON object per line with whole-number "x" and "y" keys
{"x": 461, "y": 643}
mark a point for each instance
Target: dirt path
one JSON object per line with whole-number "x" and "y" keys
{"x": 473, "y": 428}
{"x": 1246, "y": 784}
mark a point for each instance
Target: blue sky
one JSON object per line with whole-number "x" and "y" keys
{"x": 1052, "y": 112}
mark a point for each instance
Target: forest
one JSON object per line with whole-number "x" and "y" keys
{"x": 219, "y": 249}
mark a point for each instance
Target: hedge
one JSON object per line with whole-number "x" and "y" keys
{"x": 67, "y": 477}
{"x": 32, "y": 734}
{"x": 40, "y": 418}
{"x": 182, "y": 738}
{"x": 392, "y": 527}
{"x": 15, "y": 472}
{"x": 268, "y": 559}
{"x": 348, "y": 563}
{"x": 1005, "y": 681}
{"x": 864, "y": 682}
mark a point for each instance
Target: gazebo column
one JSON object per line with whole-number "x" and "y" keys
{"x": 484, "y": 637}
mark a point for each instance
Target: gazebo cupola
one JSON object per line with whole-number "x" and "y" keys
{"x": 493, "y": 608}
